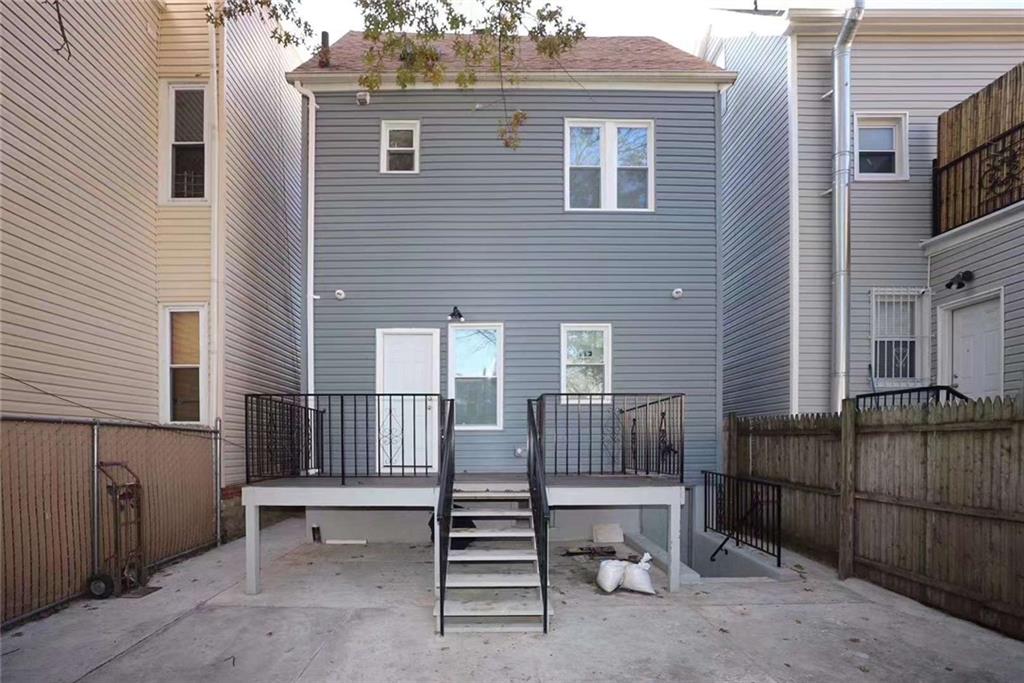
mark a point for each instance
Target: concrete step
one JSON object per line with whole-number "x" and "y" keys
{"x": 492, "y": 533}
{"x": 489, "y": 513}
{"x": 491, "y": 495}
{"x": 492, "y": 555}
{"x": 461, "y": 625}
{"x": 492, "y": 608}
{"x": 493, "y": 580}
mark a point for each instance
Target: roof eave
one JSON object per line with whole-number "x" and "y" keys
{"x": 981, "y": 22}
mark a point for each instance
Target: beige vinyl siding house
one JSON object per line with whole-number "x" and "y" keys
{"x": 103, "y": 239}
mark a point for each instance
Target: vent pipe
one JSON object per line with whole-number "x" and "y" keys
{"x": 842, "y": 169}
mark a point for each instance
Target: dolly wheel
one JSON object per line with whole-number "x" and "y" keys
{"x": 101, "y": 586}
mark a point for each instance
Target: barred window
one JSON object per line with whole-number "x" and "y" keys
{"x": 898, "y": 337}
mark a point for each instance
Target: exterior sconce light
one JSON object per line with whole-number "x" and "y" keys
{"x": 960, "y": 280}
{"x": 339, "y": 294}
{"x": 677, "y": 293}
{"x": 456, "y": 315}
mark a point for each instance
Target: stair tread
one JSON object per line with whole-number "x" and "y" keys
{"x": 471, "y": 627}
{"x": 491, "y": 533}
{"x": 490, "y": 495}
{"x": 492, "y": 555}
{"x": 482, "y": 513}
{"x": 492, "y": 608}
{"x": 493, "y": 580}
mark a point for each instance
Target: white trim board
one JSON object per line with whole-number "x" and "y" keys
{"x": 944, "y": 331}
{"x": 793, "y": 97}
{"x": 697, "y": 81}
{"x": 1007, "y": 218}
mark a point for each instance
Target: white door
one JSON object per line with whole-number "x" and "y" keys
{"x": 408, "y": 368}
{"x": 977, "y": 349}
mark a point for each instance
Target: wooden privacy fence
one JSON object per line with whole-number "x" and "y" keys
{"x": 927, "y": 501}
{"x": 47, "y": 502}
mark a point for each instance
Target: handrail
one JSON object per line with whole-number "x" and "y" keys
{"x": 445, "y": 485}
{"x": 538, "y": 500}
{"x": 909, "y": 396}
{"x": 748, "y": 511}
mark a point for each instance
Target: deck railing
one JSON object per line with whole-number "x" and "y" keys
{"x": 342, "y": 435}
{"x": 612, "y": 433}
{"x": 910, "y": 396}
{"x": 443, "y": 511}
{"x": 535, "y": 473}
{"x": 746, "y": 511}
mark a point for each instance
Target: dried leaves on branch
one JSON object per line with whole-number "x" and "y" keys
{"x": 485, "y": 35}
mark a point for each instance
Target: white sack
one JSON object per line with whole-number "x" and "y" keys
{"x": 637, "y": 577}
{"x": 609, "y": 576}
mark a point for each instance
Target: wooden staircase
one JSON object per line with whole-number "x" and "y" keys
{"x": 494, "y": 583}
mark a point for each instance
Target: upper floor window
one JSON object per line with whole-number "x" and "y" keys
{"x": 400, "y": 147}
{"x": 187, "y": 128}
{"x": 881, "y": 149}
{"x": 183, "y": 363}
{"x": 898, "y": 337}
{"x": 475, "y": 374}
{"x": 609, "y": 165}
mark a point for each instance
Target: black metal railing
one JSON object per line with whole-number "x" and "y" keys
{"x": 612, "y": 433}
{"x": 535, "y": 473}
{"x": 443, "y": 511}
{"x": 911, "y": 396}
{"x": 341, "y": 435}
{"x": 747, "y": 511}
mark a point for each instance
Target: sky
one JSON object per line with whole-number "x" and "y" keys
{"x": 679, "y": 22}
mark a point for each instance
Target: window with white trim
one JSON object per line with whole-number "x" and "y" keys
{"x": 609, "y": 165}
{"x": 186, "y": 127}
{"x": 476, "y": 374}
{"x": 400, "y": 147}
{"x": 586, "y": 359}
{"x": 880, "y": 146}
{"x": 183, "y": 364}
{"x": 898, "y": 337}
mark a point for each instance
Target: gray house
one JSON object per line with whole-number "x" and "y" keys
{"x": 832, "y": 285}
{"x": 557, "y": 305}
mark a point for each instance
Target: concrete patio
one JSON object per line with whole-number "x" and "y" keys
{"x": 353, "y": 613}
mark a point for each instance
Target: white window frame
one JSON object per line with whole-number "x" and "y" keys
{"x": 899, "y": 122}
{"x": 385, "y": 128}
{"x": 166, "y": 176}
{"x": 609, "y": 161}
{"x": 922, "y": 369}
{"x": 604, "y": 328}
{"x": 165, "y": 362}
{"x": 499, "y": 371}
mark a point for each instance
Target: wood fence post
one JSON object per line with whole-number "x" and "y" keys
{"x": 731, "y": 442}
{"x": 847, "y": 487}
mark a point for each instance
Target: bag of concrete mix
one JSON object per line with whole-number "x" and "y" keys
{"x": 637, "y": 577}
{"x": 610, "y": 574}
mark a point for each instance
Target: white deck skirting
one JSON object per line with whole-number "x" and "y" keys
{"x": 422, "y": 493}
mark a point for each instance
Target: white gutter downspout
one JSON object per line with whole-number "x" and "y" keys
{"x": 216, "y": 323}
{"x": 842, "y": 158}
{"x": 310, "y": 179}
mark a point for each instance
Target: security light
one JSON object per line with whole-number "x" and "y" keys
{"x": 456, "y": 315}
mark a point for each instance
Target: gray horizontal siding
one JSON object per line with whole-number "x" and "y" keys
{"x": 484, "y": 228}
{"x": 755, "y": 228}
{"x": 997, "y": 260}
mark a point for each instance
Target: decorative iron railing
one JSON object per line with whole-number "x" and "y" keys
{"x": 538, "y": 500}
{"x": 341, "y": 435}
{"x": 910, "y": 396}
{"x": 983, "y": 180}
{"x": 747, "y": 511}
{"x": 443, "y": 512}
{"x": 616, "y": 433}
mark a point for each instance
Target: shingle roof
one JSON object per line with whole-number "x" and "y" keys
{"x": 625, "y": 54}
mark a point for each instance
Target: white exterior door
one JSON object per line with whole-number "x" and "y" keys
{"x": 977, "y": 349}
{"x": 408, "y": 363}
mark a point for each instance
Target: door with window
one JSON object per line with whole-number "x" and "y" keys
{"x": 976, "y": 349}
{"x": 406, "y": 405}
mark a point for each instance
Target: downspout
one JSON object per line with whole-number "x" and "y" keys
{"x": 216, "y": 322}
{"x": 311, "y": 108}
{"x": 841, "y": 172}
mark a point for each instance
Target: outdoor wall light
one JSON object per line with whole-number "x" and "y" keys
{"x": 456, "y": 315}
{"x": 339, "y": 294}
{"x": 960, "y": 280}
{"x": 677, "y": 293}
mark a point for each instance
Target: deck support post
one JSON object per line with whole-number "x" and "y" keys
{"x": 252, "y": 549}
{"x": 673, "y": 547}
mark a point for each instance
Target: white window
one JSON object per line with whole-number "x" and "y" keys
{"x": 880, "y": 147}
{"x": 899, "y": 337}
{"x": 400, "y": 147}
{"x": 186, "y": 157}
{"x": 609, "y": 165}
{"x": 183, "y": 364}
{"x": 475, "y": 374}
{"x": 586, "y": 359}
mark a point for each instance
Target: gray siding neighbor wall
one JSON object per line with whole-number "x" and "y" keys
{"x": 484, "y": 228}
{"x": 997, "y": 260}
{"x": 755, "y": 228}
